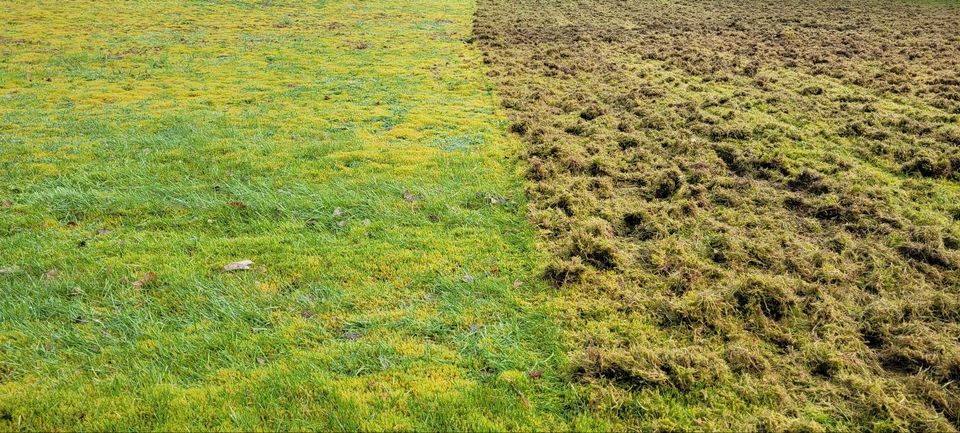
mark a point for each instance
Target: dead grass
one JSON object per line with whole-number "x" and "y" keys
{"x": 752, "y": 207}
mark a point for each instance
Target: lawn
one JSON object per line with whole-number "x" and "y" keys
{"x": 351, "y": 149}
{"x": 490, "y": 215}
{"x": 752, "y": 208}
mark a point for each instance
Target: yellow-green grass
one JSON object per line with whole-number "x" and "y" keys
{"x": 350, "y": 148}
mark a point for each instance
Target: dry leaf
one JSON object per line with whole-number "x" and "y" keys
{"x": 146, "y": 280}
{"x": 517, "y": 284}
{"x": 535, "y": 374}
{"x": 7, "y": 204}
{"x": 337, "y": 212}
{"x": 243, "y": 265}
{"x": 524, "y": 401}
{"x": 103, "y": 231}
{"x": 496, "y": 199}
{"x": 53, "y": 273}
{"x": 238, "y": 205}
{"x": 12, "y": 269}
{"x": 409, "y": 196}
{"x": 351, "y": 336}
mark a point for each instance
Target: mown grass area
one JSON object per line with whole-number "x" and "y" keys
{"x": 351, "y": 149}
{"x": 753, "y": 207}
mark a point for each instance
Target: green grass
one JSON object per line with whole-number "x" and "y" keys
{"x": 351, "y": 149}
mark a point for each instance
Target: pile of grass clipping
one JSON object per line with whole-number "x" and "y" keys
{"x": 753, "y": 207}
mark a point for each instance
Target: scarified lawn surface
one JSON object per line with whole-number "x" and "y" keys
{"x": 728, "y": 215}
{"x": 351, "y": 149}
{"x": 753, "y": 207}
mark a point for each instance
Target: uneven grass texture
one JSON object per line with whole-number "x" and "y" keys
{"x": 753, "y": 206}
{"x": 350, "y": 148}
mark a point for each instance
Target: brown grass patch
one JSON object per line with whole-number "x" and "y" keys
{"x": 752, "y": 206}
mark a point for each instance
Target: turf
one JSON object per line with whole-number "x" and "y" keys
{"x": 512, "y": 215}
{"x": 351, "y": 149}
{"x": 751, "y": 207}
